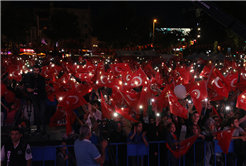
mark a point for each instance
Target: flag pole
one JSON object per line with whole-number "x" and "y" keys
{"x": 209, "y": 76}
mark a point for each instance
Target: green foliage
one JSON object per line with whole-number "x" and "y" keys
{"x": 215, "y": 47}
{"x": 234, "y": 40}
{"x": 63, "y": 25}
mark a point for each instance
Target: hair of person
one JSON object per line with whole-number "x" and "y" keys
{"x": 83, "y": 132}
{"x": 36, "y": 66}
{"x": 214, "y": 116}
{"x": 195, "y": 126}
{"x": 195, "y": 112}
{"x": 208, "y": 122}
{"x": 169, "y": 125}
{"x": 137, "y": 123}
{"x": 97, "y": 102}
{"x": 231, "y": 120}
{"x": 16, "y": 128}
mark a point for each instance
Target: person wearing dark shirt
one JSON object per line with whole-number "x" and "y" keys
{"x": 36, "y": 89}
{"x": 16, "y": 152}
{"x": 118, "y": 135}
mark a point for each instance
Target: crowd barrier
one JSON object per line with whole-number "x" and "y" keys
{"x": 48, "y": 153}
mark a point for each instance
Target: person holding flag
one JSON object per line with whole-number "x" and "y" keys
{"x": 171, "y": 137}
{"x": 238, "y": 133}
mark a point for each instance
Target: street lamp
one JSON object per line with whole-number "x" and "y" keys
{"x": 154, "y": 30}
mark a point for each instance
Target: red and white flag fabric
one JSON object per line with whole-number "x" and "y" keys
{"x": 241, "y": 101}
{"x": 107, "y": 111}
{"x": 214, "y": 112}
{"x": 139, "y": 78}
{"x": 198, "y": 92}
{"x": 184, "y": 146}
{"x": 224, "y": 139}
{"x": 175, "y": 107}
{"x": 213, "y": 95}
{"x": 218, "y": 82}
{"x": 231, "y": 81}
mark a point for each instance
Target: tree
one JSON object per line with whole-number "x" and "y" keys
{"x": 63, "y": 26}
{"x": 119, "y": 26}
{"x": 234, "y": 40}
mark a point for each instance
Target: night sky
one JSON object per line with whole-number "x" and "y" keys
{"x": 168, "y": 11}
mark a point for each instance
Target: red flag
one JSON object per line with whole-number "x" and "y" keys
{"x": 243, "y": 74}
{"x": 9, "y": 95}
{"x": 131, "y": 97}
{"x": 55, "y": 69}
{"x": 241, "y": 101}
{"x": 214, "y": 112}
{"x": 31, "y": 62}
{"x": 231, "y": 79}
{"x": 70, "y": 99}
{"x": 70, "y": 118}
{"x": 198, "y": 92}
{"x": 159, "y": 78}
{"x": 107, "y": 111}
{"x": 3, "y": 89}
{"x": 184, "y": 147}
{"x": 59, "y": 115}
{"x": 139, "y": 78}
{"x": 224, "y": 139}
{"x": 205, "y": 72}
{"x": 125, "y": 114}
{"x": 149, "y": 70}
{"x": 218, "y": 82}
{"x": 45, "y": 72}
{"x": 143, "y": 99}
{"x": 119, "y": 67}
{"x": 14, "y": 73}
{"x": 227, "y": 63}
{"x": 234, "y": 65}
{"x": 214, "y": 96}
{"x": 241, "y": 86}
{"x": 175, "y": 107}
{"x": 83, "y": 89}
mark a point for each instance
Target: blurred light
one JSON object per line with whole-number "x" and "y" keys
{"x": 115, "y": 114}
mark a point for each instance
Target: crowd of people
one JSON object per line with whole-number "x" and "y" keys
{"x": 149, "y": 125}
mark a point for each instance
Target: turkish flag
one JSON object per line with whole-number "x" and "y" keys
{"x": 84, "y": 77}
{"x": 119, "y": 67}
{"x": 232, "y": 79}
{"x": 145, "y": 95}
{"x": 59, "y": 115}
{"x": 214, "y": 112}
{"x": 241, "y": 86}
{"x": 89, "y": 66}
{"x": 14, "y": 73}
{"x": 162, "y": 100}
{"x": 125, "y": 114}
{"x": 218, "y": 82}
{"x": 3, "y": 89}
{"x": 241, "y": 101}
{"x": 198, "y": 92}
{"x": 55, "y": 69}
{"x": 184, "y": 146}
{"x": 107, "y": 111}
{"x": 205, "y": 72}
{"x": 234, "y": 65}
{"x": 46, "y": 72}
{"x": 243, "y": 74}
{"x": 31, "y": 62}
{"x": 70, "y": 99}
{"x": 70, "y": 118}
{"x": 159, "y": 78}
{"x": 214, "y": 96}
{"x": 63, "y": 80}
{"x": 131, "y": 97}
{"x": 224, "y": 139}
{"x": 175, "y": 107}
{"x": 83, "y": 89}
{"x": 227, "y": 63}
{"x": 105, "y": 79}
{"x": 50, "y": 93}
{"x": 139, "y": 78}
{"x": 149, "y": 70}
{"x": 9, "y": 95}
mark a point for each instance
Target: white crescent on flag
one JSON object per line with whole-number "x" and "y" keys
{"x": 76, "y": 99}
{"x": 216, "y": 82}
